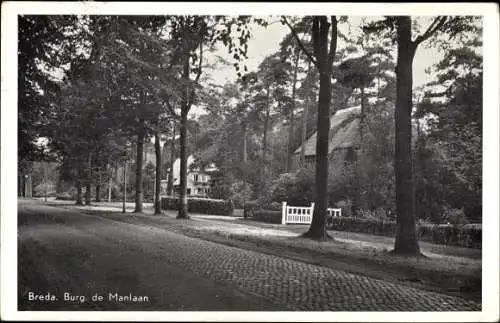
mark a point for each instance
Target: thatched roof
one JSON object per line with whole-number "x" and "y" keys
{"x": 343, "y": 131}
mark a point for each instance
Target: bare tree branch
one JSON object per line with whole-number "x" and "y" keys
{"x": 437, "y": 23}
{"x": 299, "y": 42}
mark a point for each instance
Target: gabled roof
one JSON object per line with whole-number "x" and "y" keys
{"x": 190, "y": 161}
{"x": 343, "y": 131}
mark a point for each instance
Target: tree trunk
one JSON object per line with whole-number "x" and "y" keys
{"x": 110, "y": 184}
{"x": 406, "y": 238}
{"x": 20, "y": 185}
{"x": 289, "y": 145}
{"x": 303, "y": 136}
{"x": 290, "y": 130}
{"x": 321, "y": 26}
{"x": 170, "y": 183}
{"x": 158, "y": 173}
{"x": 304, "y": 128}
{"x": 362, "y": 114}
{"x": 245, "y": 153}
{"x": 264, "y": 146}
{"x": 138, "y": 172}
{"x": 245, "y": 160}
{"x": 88, "y": 188}
{"x": 356, "y": 184}
{"x": 79, "y": 200}
{"x": 98, "y": 189}
{"x": 124, "y": 204}
{"x": 183, "y": 204}
{"x": 88, "y": 185}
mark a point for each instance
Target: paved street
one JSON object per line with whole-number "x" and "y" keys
{"x": 64, "y": 251}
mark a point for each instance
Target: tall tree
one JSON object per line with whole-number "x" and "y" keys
{"x": 158, "y": 173}
{"x": 406, "y": 239}
{"x": 324, "y": 38}
{"x": 446, "y": 178}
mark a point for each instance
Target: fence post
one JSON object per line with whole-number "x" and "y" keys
{"x": 283, "y": 213}
{"x": 312, "y": 208}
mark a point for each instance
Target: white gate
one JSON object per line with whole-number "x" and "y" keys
{"x": 334, "y": 212}
{"x": 302, "y": 214}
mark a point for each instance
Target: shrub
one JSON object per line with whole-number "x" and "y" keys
{"x": 251, "y": 207}
{"x": 468, "y": 235}
{"x": 455, "y": 216}
{"x": 377, "y": 214}
{"x": 65, "y": 196}
{"x": 240, "y": 192}
{"x": 363, "y": 225}
{"x": 346, "y": 207}
{"x": 48, "y": 188}
{"x": 267, "y": 216}
{"x": 295, "y": 189}
{"x": 200, "y": 205}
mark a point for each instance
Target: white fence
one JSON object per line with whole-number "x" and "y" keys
{"x": 302, "y": 214}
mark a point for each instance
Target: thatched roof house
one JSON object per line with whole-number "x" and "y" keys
{"x": 343, "y": 137}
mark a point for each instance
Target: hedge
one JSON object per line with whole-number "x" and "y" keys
{"x": 268, "y": 216}
{"x": 199, "y": 205}
{"x": 469, "y": 235}
{"x": 251, "y": 207}
{"x": 65, "y": 197}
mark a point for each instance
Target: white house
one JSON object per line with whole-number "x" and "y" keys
{"x": 198, "y": 180}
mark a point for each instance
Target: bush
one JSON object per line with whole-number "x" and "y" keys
{"x": 267, "y": 216}
{"x": 377, "y": 214}
{"x": 454, "y": 216}
{"x": 65, "y": 196}
{"x": 240, "y": 192}
{"x": 48, "y": 188}
{"x": 363, "y": 225}
{"x": 346, "y": 206}
{"x": 200, "y": 205}
{"x": 253, "y": 206}
{"x": 250, "y": 207}
{"x": 295, "y": 189}
{"x": 468, "y": 235}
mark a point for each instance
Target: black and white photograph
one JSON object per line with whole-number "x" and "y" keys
{"x": 250, "y": 161}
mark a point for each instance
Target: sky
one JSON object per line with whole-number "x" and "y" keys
{"x": 265, "y": 40}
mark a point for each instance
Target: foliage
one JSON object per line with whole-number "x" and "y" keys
{"x": 45, "y": 44}
{"x": 448, "y": 178}
{"x": 267, "y": 216}
{"x": 200, "y": 205}
{"x": 293, "y": 189}
{"x": 46, "y": 187}
{"x": 253, "y": 206}
{"x": 240, "y": 193}
{"x": 464, "y": 236}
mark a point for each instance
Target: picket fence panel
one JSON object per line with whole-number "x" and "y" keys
{"x": 302, "y": 214}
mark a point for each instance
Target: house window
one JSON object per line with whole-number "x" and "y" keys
{"x": 195, "y": 177}
{"x": 310, "y": 161}
{"x": 188, "y": 191}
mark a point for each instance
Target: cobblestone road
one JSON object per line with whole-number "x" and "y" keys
{"x": 288, "y": 284}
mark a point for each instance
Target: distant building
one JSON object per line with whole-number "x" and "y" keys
{"x": 343, "y": 139}
{"x": 198, "y": 180}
